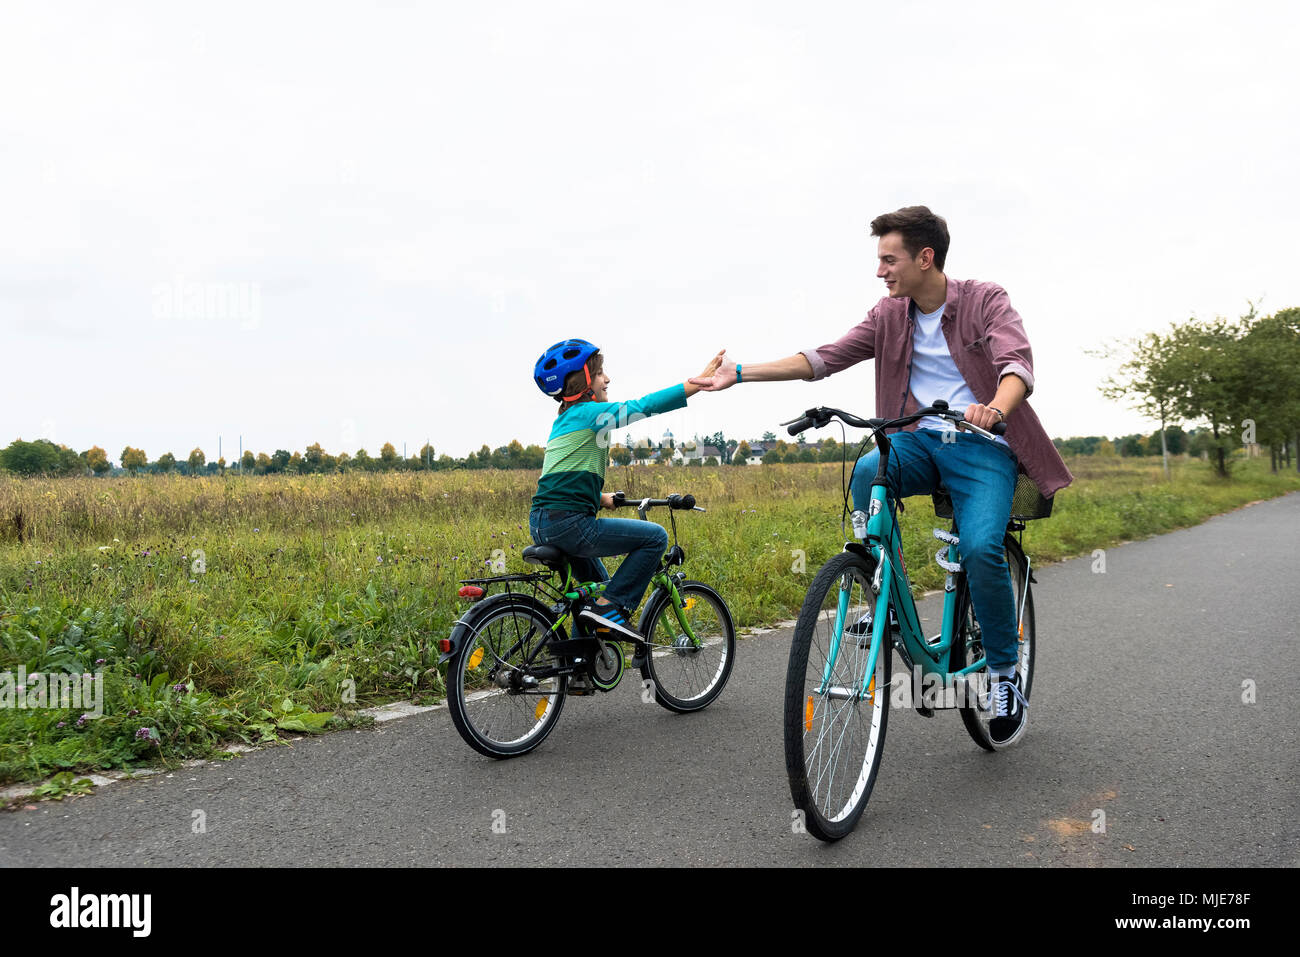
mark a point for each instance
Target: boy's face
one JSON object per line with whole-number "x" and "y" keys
{"x": 599, "y": 386}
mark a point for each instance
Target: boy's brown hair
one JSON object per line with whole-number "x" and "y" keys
{"x": 576, "y": 382}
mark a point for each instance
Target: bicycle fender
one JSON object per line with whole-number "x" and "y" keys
{"x": 464, "y": 626}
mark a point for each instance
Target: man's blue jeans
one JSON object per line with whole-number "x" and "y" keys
{"x": 980, "y": 477}
{"x": 585, "y": 539}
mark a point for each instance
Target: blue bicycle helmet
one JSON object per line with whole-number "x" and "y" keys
{"x": 555, "y": 364}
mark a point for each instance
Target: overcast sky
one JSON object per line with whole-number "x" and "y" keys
{"x": 362, "y": 222}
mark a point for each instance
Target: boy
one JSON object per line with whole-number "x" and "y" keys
{"x": 569, "y": 492}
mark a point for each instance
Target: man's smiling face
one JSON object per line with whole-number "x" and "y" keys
{"x": 902, "y": 274}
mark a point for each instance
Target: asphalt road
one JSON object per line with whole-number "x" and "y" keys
{"x": 1138, "y": 712}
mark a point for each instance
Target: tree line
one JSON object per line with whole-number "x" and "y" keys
{"x": 1241, "y": 377}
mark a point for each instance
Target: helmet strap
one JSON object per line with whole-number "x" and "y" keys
{"x": 578, "y": 397}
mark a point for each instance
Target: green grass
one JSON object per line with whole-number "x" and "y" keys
{"x": 319, "y": 595}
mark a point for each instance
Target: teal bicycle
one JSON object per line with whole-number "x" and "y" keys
{"x": 512, "y": 662}
{"x": 858, "y": 612}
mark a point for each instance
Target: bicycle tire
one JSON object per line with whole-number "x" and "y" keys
{"x": 825, "y": 735}
{"x": 686, "y": 678}
{"x": 968, "y": 644}
{"x": 502, "y": 722}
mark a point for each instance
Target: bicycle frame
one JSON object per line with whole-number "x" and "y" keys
{"x": 891, "y": 585}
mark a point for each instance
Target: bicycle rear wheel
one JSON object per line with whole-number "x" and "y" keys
{"x": 835, "y": 736}
{"x": 495, "y": 704}
{"x": 968, "y": 645}
{"x": 687, "y": 677}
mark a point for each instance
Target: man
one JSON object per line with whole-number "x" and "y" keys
{"x": 959, "y": 340}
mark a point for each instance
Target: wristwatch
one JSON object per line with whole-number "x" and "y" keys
{"x": 1001, "y": 415}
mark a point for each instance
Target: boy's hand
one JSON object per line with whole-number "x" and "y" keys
{"x": 712, "y": 367}
{"x": 719, "y": 374}
{"x": 606, "y": 499}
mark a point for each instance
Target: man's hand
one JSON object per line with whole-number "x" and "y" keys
{"x": 606, "y": 499}
{"x": 719, "y": 374}
{"x": 982, "y": 416}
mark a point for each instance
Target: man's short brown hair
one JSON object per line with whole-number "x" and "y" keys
{"x": 919, "y": 228}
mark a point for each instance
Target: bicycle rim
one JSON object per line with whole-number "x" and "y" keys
{"x": 686, "y": 676}
{"x": 496, "y": 715}
{"x": 834, "y": 738}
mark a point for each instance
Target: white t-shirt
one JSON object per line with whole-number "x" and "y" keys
{"x": 934, "y": 374}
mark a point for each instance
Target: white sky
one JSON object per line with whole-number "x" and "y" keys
{"x": 408, "y": 202}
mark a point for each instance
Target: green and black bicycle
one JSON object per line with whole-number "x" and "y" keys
{"x": 512, "y": 660}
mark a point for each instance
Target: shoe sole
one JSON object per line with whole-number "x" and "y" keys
{"x": 600, "y": 621}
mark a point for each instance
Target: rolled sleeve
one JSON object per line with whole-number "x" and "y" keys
{"x": 818, "y": 364}
{"x": 1008, "y": 344}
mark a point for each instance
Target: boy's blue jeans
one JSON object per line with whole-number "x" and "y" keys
{"x": 980, "y": 477}
{"x": 585, "y": 538}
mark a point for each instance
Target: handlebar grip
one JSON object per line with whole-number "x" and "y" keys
{"x": 684, "y": 501}
{"x": 800, "y": 425}
{"x": 619, "y": 499}
{"x": 999, "y": 428}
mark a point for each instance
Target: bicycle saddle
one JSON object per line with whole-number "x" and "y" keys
{"x": 547, "y": 555}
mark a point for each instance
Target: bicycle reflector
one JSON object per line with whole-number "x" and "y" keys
{"x": 472, "y": 592}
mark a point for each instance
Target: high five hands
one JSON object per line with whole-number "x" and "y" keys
{"x": 719, "y": 374}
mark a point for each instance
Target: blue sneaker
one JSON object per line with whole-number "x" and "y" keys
{"x": 610, "y": 618}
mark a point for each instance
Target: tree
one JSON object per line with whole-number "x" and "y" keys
{"x": 427, "y": 456}
{"x": 769, "y": 436}
{"x": 741, "y": 456}
{"x": 773, "y": 456}
{"x": 167, "y": 462}
{"x": 263, "y": 463}
{"x": 196, "y": 460}
{"x": 41, "y": 457}
{"x": 314, "y": 459}
{"x": 830, "y": 451}
{"x": 248, "y": 463}
{"x": 97, "y": 460}
{"x": 280, "y": 460}
{"x": 295, "y": 465}
{"x": 133, "y": 460}
{"x": 620, "y": 455}
{"x": 388, "y": 456}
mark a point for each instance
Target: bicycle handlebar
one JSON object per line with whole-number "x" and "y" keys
{"x": 820, "y": 417}
{"x": 678, "y": 502}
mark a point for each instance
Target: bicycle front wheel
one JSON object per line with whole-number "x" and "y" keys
{"x": 688, "y": 673}
{"x": 834, "y": 733}
{"x": 496, "y": 703}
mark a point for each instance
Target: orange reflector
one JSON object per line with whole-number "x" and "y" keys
{"x": 472, "y": 592}
{"x": 541, "y": 709}
{"x": 690, "y": 603}
{"x": 871, "y": 691}
{"x": 476, "y": 657}
{"x": 1022, "y": 632}
{"x": 444, "y": 645}
{"x": 808, "y": 714}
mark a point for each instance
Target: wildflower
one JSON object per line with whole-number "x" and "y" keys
{"x": 133, "y": 712}
{"x": 146, "y": 734}
{"x": 100, "y": 661}
{"x": 82, "y": 720}
{"x": 257, "y": 529}
{"x": 180, "y": 688}
{"x": 379, "y": 559}
{"x": 61, "y": 724}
